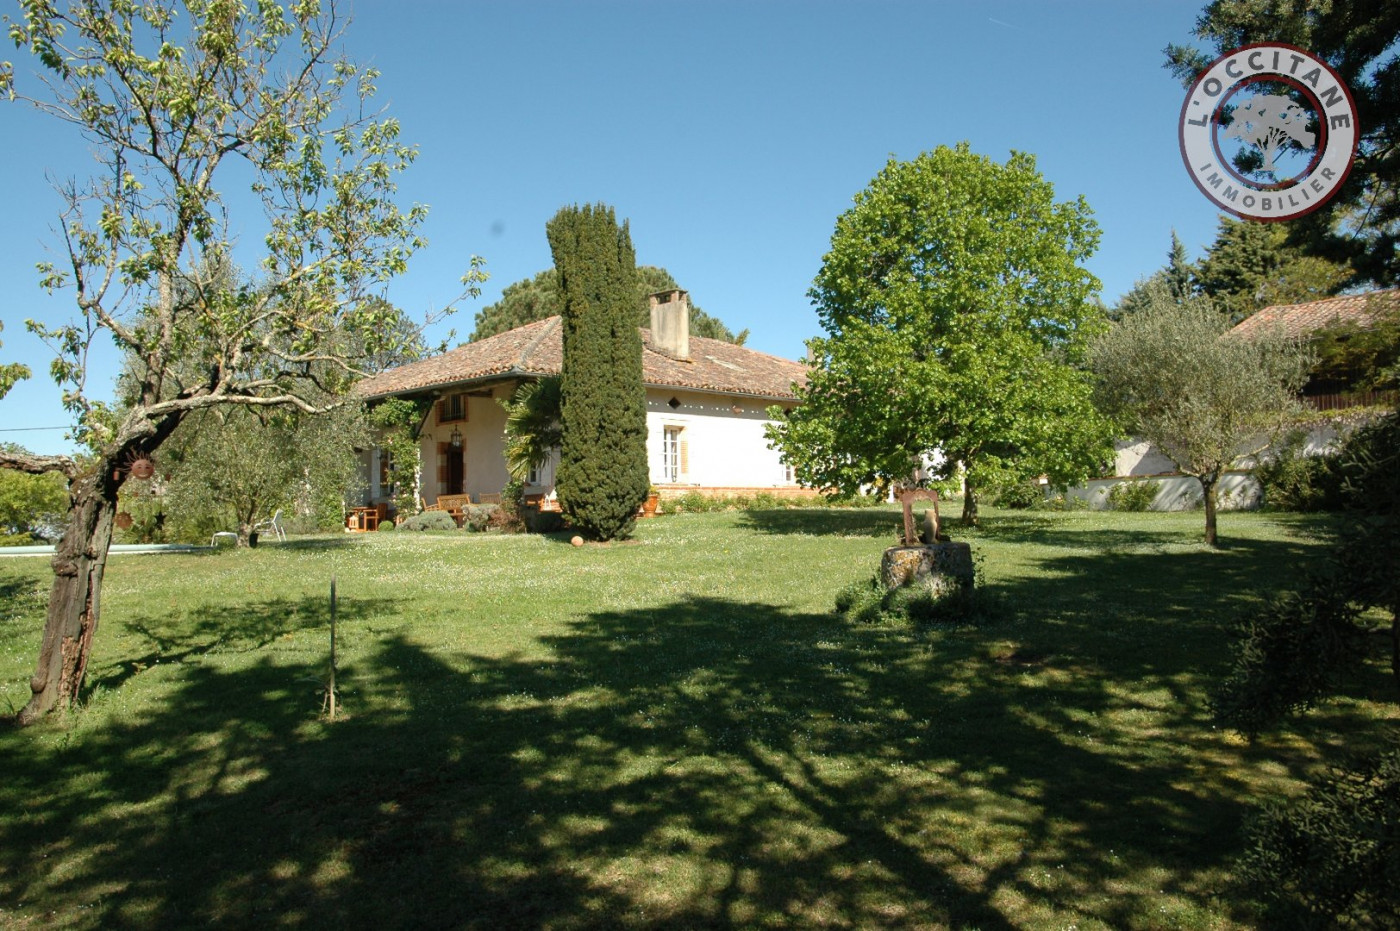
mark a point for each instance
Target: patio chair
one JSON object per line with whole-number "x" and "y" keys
{"x": 274, "y": 524}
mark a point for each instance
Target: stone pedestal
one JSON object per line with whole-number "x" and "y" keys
{"x": 939, "y": 567}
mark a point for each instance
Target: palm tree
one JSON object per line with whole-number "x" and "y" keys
{"x": 532, "y": 425}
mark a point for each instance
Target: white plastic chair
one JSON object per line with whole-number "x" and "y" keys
{"x": 274, "y": 524}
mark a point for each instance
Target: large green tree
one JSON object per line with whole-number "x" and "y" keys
{"x": 178, "y": 100}
{"x": 1358, "y": 39}
{"x": 956, "y": 309}
{"x": 539, "y": 297}
{"x": 1170, "y": 374}
{"x": 30, "y": 503}
{"x": 603, "y": 476}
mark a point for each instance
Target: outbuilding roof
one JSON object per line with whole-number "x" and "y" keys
{"x": 1301, "y": 320}
{"x": 536, "y": 350}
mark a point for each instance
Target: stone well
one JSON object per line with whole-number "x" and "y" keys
{"x": 939, "y": 567}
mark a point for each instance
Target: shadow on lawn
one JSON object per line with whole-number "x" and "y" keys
{"x": 845, "y": 522}
{"x": 706, "y": 763}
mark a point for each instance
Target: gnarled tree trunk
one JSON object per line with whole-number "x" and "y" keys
{"x": 75, "y": 600}
{"x": 1208, "y": 497}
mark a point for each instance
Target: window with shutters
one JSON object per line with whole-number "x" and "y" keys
{"x": 452, "y": 408}
{"x": 671, "y": 467}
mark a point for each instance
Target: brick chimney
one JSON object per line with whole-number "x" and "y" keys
{"x": 670, "y": 323}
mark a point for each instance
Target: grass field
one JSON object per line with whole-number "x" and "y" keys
{"x": 676, "y": 731}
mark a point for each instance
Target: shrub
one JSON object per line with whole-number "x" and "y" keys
{"x": 1133, "y": 496}
{"x": 430, "y": 520}
{"x": 1332, "y": 858}
{"x": 1017, "y": 496}
{"x": 870, "y": 602}
{"x": 386, "y": 525}
{"x": 1294, "y": 481}
{"x": 1063, "y": 502}
{"x": 477, "y": 517}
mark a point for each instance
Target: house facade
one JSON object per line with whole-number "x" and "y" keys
{"x": 706, "y": 402}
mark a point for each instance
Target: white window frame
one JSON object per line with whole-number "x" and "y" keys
{"x": 671, "y": 453}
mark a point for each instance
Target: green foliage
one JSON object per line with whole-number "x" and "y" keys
{"x": 1353, "y": 357}
{"x": 870, "y": 602}
{"x": 429, "y": 520}
{"x": 1334, "y": 855}
{"x": 1292, "y": 480}
{"x": 1356, "y": 37}
{"x": 32, "y": 503}
{"x": 532, "y": 425}
{"x": 1332, "y": 858}
{"x": 386, "y": 526}
{"x": 1133, "y": 496}
{"x": 1288, "y": 656}
{"x": 603, "y": 474}
{"x": 11, "y": 372}
{"x": 1252, "y": 265}
{"x": 957, "y": 309}
{"x": 229, "y": 469}
{"x": 1062, "y": 501}
{"x": 1018, "y": 495}
{"x": 1206, "y": 402}
{"x": 477, "y": 517}
{"x": 396, "y": 420}
{"x": 539, "y": 297}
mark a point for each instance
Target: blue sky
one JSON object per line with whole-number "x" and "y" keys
{"x": 731, "y": 135}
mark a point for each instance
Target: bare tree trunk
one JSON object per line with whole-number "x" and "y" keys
{"x": 1208, "y": 496}
{"x": 969, "y": 511}
{"x": 74, "y": 601}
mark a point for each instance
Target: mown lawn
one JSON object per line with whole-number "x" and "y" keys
{"x": 673, "y": 732}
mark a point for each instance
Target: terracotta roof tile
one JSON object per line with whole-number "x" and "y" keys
{"x": 537, "y": 349}
{"x": 1300, "y": 320}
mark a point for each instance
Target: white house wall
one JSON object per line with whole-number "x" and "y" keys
{"x": 723, "y": 437}
{"x": 725, "y": 445}
{"x": 483, "y": 446}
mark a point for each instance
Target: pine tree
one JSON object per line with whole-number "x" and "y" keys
{"x": 603, "y": 477}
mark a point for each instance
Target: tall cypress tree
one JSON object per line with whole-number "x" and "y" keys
{"x": 602, "y": 478}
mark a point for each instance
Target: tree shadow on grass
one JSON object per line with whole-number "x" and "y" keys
{"x": 844, "y": 522}
{"x": 246, "y": 627}
{"x": 704, "y": 763}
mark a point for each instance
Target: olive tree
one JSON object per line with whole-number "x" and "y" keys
{"x": 1207, "y": 399}
{"x": 179, "y": 101}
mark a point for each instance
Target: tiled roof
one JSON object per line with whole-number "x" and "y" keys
{"x": 1300, "y": 320}
{"x": 537, "y": 349}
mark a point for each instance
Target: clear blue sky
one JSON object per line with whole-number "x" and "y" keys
{"x": 730, "y": 134}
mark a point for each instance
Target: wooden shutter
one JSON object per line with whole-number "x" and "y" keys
{"x": 685, "y": 455}
{"x": 442, "y": 452}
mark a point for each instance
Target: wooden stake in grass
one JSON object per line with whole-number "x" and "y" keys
{"x": 330, "y": 690}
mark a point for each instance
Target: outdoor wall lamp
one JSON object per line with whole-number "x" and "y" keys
{"x": 456, "y": 438}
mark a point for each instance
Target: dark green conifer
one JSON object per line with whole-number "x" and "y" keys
{"x": 602, "y": 478}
